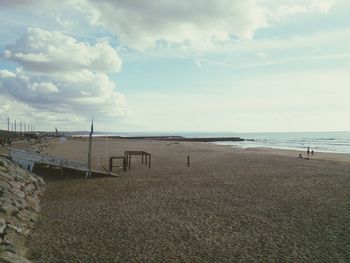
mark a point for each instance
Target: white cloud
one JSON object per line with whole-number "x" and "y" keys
{"x": 285, "y": 10}
{"x": 141, "y": 24}
{"x": 6, "y": 74}
{"x": 62, "y": 76}
{"x": 43, "y": 87}
{"x": 322, "y": 6}
{"x": 197, "y": 23}
{"x": 45, "y": 51}
{"x": 276, "y": 10}
{"x": 82, "y": 92}
{"x": 67, "y": 24}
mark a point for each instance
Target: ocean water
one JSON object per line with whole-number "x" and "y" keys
{"x": 335, "y": 142}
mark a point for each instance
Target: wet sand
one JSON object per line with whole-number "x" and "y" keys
{"x": 230, "y": 205}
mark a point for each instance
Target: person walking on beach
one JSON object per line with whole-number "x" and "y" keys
{"x": 308, "y": 151}
{"x": 312, "y": 152}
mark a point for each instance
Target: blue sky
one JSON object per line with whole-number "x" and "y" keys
{"x": 227, "y": 65}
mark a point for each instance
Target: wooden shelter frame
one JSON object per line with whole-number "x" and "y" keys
{"x": 145, "y": 157}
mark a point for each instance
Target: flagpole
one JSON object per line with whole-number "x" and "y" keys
{"x": 90, "y": 148}
{"x": 106, "y": 150}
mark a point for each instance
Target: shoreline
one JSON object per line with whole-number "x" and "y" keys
{"x": 169, "y": 138}
{"x": 329, "y": 156}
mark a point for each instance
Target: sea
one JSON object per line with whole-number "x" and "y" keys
{"x": 331, "y": 142}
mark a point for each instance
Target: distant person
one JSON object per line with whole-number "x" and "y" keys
{"x": 308, "y": 151}
{"x": 312, "y": 152}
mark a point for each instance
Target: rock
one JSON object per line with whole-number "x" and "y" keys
{"x": 26, "y": 215}
{"x": 17, "y": 229}
{"x": 2, "y": 225}
{"x": 29, "y": 189}
{"x": 8, "y": 208}
{"x": 5, "y": 198}
{"x": 9, "y": 257}
{"x": 38, "y": 181}
{"x": 4, "y": 185}
{"x": 7, "y": 247}
{"x": 38, "y": 193}
{"x": 16, "y": 185}
{"x": 17, "y": 192}
{"x": 16, "y": 240}
{"x": 3, "y": 169}
{"x": 13, "y": 199}
{"x": 19, "y": 205}
{"x": 33, "y": 179}
{"x": 5, "y": 175}
{"x": 33, "y": 203}
{"x": 12, "y": 220}
{"x": 3, "y": 162}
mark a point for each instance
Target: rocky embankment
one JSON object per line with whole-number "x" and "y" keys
{"x": 19, "y": 208}
{"x": 39, "y": 145}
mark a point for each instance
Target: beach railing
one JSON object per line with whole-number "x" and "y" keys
{"x": 27, "y": 160}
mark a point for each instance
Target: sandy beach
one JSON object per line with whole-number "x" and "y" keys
{"x": 230, "y": 205}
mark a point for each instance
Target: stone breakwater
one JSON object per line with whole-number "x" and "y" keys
{"x": 19, "y": 208}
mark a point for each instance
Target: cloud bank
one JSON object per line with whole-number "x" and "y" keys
{"x": 140, "y": 24}
{"x": 51, "y": 51}
{"x": 143, "y": 24}
{"x": 61, "y": 75}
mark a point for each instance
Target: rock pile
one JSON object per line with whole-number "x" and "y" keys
{"x": 39, "y": 146}
{"x": 19, "y": 207}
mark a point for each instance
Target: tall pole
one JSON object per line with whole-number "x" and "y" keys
{"x": 15, "y": 126}
{"x": 106, "y": 149}
{"x": 8, "y": 123}
{"x": 90, "y": 148}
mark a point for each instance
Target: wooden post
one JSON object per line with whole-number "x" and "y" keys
{"x": 129, "y": 156}
{"x": 124, "y": 164}
{"x": 110, "y": 164}
{"x": 188, "y": 161}
{"x": 61, "y": 168}
{"x": 149, "y": 163}
{"x": 142, "y": 158}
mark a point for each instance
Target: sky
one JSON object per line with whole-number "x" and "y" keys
{"x": 167, "y": 66}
